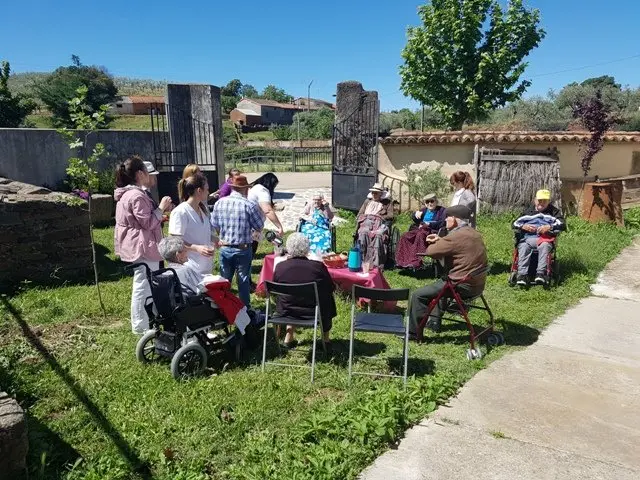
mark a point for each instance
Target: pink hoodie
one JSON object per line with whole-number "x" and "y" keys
{"x": 138, "y": 228}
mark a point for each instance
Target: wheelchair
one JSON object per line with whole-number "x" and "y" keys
{"x": 453, "y": 303}
{"x": 390, "y": 243}
{"x": 553, "y": 267}
{"x": 180, "y": 323}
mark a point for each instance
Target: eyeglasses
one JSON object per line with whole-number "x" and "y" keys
{"x": 430, "y": 201}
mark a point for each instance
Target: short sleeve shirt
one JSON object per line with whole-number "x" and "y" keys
{"x": 259, "y": 194}
{"x": 195, "y": 229}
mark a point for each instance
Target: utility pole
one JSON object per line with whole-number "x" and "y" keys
{"x": 309, "y": 96}
{"x": 422, "y": 118}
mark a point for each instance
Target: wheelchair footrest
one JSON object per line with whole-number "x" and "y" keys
{"x": 167, "y": 343}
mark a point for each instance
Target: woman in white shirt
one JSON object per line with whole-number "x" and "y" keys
{"x": 463, "y": 188}
{"x": 261, "y": 192}
{"x": 190, "y": 220}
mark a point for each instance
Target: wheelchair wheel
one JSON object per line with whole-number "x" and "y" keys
{"x": 189, "y": 361}
{"x": 474, "y": 354}
{"x": 146, "y": 348}
{"x": 513, "y": 277}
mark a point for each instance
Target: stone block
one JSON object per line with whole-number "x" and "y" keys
{"x": 102, "y": 209}
{"x": 13, "y": 438}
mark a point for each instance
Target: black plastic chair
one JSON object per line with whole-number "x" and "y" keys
{"x": 308, "y": 291}
{"x": 392, "y": 324}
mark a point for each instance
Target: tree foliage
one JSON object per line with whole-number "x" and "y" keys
{"x": 13, "y": 108}
{"x": 59, "y": 88}
{"x": 83, "y": 169}
{"x": 271, "y": 92}
{"x": 596, "y": 117}
{"x": 313, "y": 125}
{"x": 467, "y": 57}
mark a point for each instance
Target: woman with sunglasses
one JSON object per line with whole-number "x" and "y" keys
{"x": 426, "y": 221}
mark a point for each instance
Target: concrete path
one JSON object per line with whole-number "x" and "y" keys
{"x": 568, "y": 407}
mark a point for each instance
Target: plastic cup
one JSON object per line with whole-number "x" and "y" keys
{"x": 365, "y": 267}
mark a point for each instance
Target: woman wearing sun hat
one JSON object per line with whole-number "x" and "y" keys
{"x": 426, "y": 221}
{"x": 373, "y": 218}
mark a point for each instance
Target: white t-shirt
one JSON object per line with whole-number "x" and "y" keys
{"x": 259, "y": 194}
{"x": 193, "y": 229}
{"x": 456, "y": 197}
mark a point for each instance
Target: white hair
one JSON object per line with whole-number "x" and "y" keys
{"x": 317, "y": 195}
{"x": 298, "y": 245}
{"x": 169, "y": 247}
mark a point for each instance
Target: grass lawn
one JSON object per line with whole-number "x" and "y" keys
{"x": 96, "y": 413}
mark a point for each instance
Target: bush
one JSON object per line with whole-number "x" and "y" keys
{"x": 632, "y": 218}
{"x": 229, "y": 134}
{"x": 428, "y": 180}
{"x": 280, "y": 132}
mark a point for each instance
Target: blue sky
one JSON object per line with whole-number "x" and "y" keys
{"x": 289, "y": 43}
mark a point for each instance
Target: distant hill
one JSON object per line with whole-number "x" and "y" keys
{"x": 23, "y": 82}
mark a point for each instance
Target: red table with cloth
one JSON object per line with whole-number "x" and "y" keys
{"x": 342, "y": 277}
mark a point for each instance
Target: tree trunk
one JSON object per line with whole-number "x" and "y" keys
{"x": 94, "y": 260}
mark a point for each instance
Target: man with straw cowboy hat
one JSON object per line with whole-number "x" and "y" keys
{"x": 234, "y": 218}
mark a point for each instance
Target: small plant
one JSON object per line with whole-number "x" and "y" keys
{"x": 428, "y": 180}
{"x": 82, "y": 170}
{"x": 632, "y": 218}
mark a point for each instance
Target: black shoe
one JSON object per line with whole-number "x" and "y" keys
{"x": 522, "y": 280}
{"x": 542, "y": 280}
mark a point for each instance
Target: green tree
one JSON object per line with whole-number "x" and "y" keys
{"x": 232, "y": 89}
{"x": 83, "y": 169}
{"x": 271, "y": 92}
{"x": 313, "y": 125}
{"x": 604, "y": 81}
{"x": 466, "y": 59}
{"x": 228, "y": 103}
{"x": 13, "y": 108}
{"x": 59, "y": 88}
{"x": 249, "y": 91}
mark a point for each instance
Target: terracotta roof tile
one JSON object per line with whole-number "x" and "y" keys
{"x": 406, "y": 138}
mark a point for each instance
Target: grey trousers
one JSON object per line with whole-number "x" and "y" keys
{"x": 526, "y": 248}
{"x": 421, "y": 298}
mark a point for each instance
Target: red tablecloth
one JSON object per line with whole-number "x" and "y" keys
{"x": 342, "y": 277}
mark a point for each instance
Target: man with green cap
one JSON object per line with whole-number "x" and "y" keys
{"x": 536, "y": 230}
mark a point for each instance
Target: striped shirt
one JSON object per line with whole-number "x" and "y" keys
{"x": 235, "y": 217}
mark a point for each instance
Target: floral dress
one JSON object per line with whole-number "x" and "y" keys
{"x": 318, "y": 232}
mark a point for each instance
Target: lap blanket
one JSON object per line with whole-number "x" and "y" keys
{"x": 372, "y": 235}
{"x": 409, "y": 245}
{"x": 318, "y": 232}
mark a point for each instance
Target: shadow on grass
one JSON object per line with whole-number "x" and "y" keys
{"x": 101, "y": 421}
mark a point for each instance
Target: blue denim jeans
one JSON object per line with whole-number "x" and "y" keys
{"x": 234, "y": 260}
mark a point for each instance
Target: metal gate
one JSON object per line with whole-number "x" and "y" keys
{"x": 355, "y": 155}
{"x": 179, "y": 139}
{"x": 507, "y": 180}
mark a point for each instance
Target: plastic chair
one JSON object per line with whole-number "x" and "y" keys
{"x": 307, "y": 291}
{"x": 379, "y": 323}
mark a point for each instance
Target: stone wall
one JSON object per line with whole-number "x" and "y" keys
{"x": 43, "y": 238}
{"x": 40, "y": 156}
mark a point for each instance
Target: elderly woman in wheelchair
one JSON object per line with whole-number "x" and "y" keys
{"x": 374, "y": 222}
{"x": 315, "y": 224}
{"x": 184, "y": 311}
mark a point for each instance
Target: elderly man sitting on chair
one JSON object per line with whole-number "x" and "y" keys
{"x": 172, "y": 249}
{"x": 536, "y": 229}
{"x": 463, "y": 252}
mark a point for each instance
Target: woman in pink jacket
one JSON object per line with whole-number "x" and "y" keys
{"x": 138, "y": 229}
